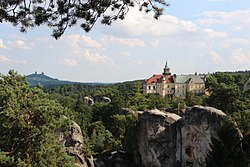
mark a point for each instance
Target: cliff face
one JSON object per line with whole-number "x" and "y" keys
{"x": 166, "y": 140}
{"x": 73, "y": 145}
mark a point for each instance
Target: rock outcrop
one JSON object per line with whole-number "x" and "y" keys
{"x": 88, "y": 100}
{"x": 167, "y": 140}
{"x": 73, "y": 145}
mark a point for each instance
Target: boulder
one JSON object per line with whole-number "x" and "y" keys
{"x": 88, "y": 100}
{"x": 168, "y": 140}
{"x": 73, "y": 145}
{"x": 106, "y": 99}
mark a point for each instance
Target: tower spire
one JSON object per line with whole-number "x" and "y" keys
{"x": 166, "y": 69}
{"x": 166, "y": 65}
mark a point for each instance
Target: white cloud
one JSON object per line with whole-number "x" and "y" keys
{"x": 235, "y": 42}
{"x": 70, "y": 62}
{"x": 90, "y": 42}
{"x": 216, "y": 58}
{"x": 73, "y": 42}
{"x": 215, "y": 34}
{"x": 19, "y": 62}
{"x": 21, "y": 44}
{"x": 155, "y": 43}
{"x": 238, "y": 20}
{"x": 77, "y": 41}
{"x": 238, "y": 57}
{"x": 139, "y": 23}
{"x": 2, "y": 44}
{"x": 139, "y": 62}
{"x": 4, "y": 59}
{"x": 124, "y": 41}
{"x": 96, "y": 57}
{"x": 125, "y": 54}
{"x": 81, "y": 45}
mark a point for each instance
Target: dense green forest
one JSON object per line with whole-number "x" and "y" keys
{"x": 29, "y": 116}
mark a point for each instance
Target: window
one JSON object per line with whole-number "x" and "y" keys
{"x": 153, "y": 87}
{"x": 149, "y": 87}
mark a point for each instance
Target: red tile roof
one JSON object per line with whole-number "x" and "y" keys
{"x": 157, "y": 78}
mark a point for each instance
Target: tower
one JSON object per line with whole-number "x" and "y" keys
{"x": 166, "y": 69}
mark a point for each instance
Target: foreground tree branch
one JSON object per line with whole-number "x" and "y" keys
{"x": 61, "y": 14}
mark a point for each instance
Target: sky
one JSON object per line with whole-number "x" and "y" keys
{"x": 193, "y": 36}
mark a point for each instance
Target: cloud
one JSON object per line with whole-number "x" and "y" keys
{"x": 19, "y": 62}
{"x": 215, "y": 34}
{"x": 4, "y": 59}
{"x": 2, "y": 45}
{"x": 21, "y": 44}
{"x": 140, "y": 23}
{"x": 70, "y": 62}
{"x": 238, "y": 19}
{"x": 238, "y": 57}
{"x": 90, "y": 42}
{"x": 125, "y": 54}
{"x": 77, "y": 41}
{"x": 133, "y": 42}
{"x": 235, "y": 42}
{"x": 82, "y": 47}
{"x": 140, "y": 62}
{"x": 96, "y": 57}
{"x": 216, "y": 58}
{"x": 155, "y": 43}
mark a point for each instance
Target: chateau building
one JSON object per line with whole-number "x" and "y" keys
{"x": 175, "y": 85}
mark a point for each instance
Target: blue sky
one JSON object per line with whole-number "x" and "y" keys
{"x": 195, "y": 35}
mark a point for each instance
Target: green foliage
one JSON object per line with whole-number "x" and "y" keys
{"x": 122, "y": 124}
{"x": 137, "y": 101}
{"x": 101, "y": 139}
{"x": 61, "y": 14}
{"x": 179, "y": 103}
{"x": 192, "y": 99}
{"x": 28, "y": 122}
{"x": 243, "y": 121}
{"x": 82, "y": 113}
{"x": 226, "y": 147}
{"x": 156, "y": 101}
{"x": 224, "y": 93}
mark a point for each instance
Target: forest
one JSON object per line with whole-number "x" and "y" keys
{"x": 29, "y": 117}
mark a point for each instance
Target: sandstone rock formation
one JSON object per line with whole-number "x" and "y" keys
{"x": 104, "y": 99}
{"x": 88, "y": 100}
{"x": 73, "y": 145}
{"x": 167, "y": 140}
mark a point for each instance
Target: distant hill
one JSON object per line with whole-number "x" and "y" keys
{"x": 46, "y": 81}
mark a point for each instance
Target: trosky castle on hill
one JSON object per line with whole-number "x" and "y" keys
{"x": 176, "y": 85}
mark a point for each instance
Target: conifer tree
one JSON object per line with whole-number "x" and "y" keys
{"x": 28, "y": 120}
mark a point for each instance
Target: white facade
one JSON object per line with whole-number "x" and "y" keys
{"x": 176, "y": 85}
